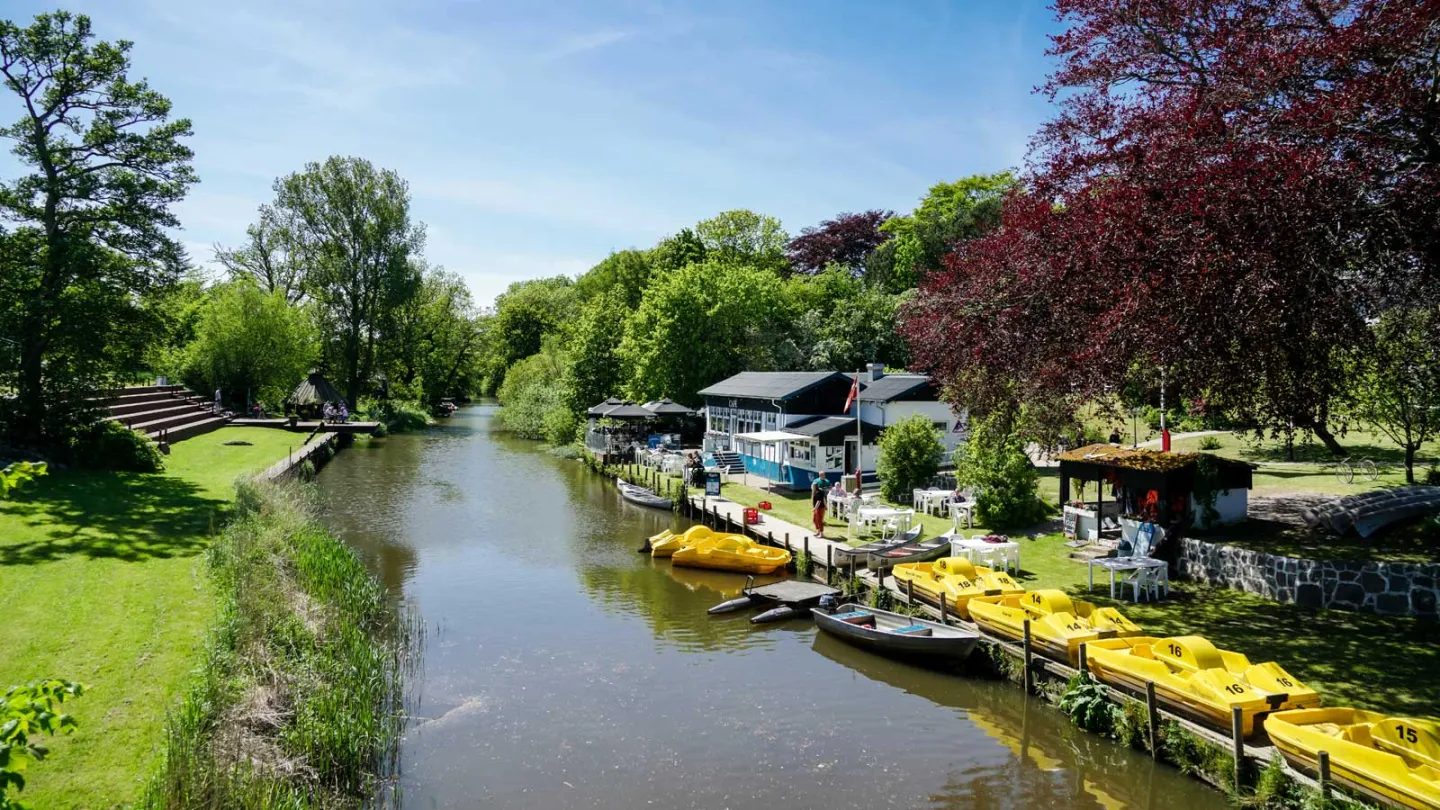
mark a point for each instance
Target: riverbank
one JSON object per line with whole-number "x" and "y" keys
{"x": 299, "y": 700}
{"x": 106, "y": 584}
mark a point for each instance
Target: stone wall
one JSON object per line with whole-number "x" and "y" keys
{"x": 1392, "y": 589}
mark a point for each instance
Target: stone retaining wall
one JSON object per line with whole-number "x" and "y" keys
{"x": 290, "y": 465}
{"x": 1391, "y": 589}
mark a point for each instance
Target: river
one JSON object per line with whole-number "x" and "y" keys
{"x": 563, "y": 670}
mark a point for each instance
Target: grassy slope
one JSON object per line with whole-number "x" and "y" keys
{"x": 1352, "y": 659}
{"x": 103, "y": 585}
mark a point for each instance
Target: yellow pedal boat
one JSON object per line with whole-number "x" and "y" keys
{"x": 667, "y": 543}
{"x": 731, "y": 552}
{"x": 1395, "y": 759}
{"x": 1190, "y": 676}
{"x": 1106, "y": 621}
{"x": 1056, "y": 635}
{"x": 955, "y": 577}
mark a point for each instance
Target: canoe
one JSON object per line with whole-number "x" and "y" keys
{"x": 912, "y": 551}
{"x": 1393, "y": 759}
{"x": 894, "y": 634}
{"x": 731, "y": 552}
{"x": 642, "y": 496}
{"x": 1049, "y": 602}
{"x": 1057, "y": 636}
{"x": 1205, "y": 689}
{"x": 674, "y": 542}
{"x": 957, "y": 578}
{"x": 847, "y": 556}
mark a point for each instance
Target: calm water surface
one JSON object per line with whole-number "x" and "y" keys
{"x": 563, "y": 670}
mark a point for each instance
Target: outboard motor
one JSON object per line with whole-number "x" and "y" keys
{"x": 828, "y": 602}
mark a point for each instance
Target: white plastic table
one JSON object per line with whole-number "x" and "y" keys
{"x": 869, "y": 516}
{"x": 1009, "y": 551}
{"x": 1113, "y": 564}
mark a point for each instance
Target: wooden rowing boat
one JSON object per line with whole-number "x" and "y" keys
{"x": 894, "y": 634}
{"x": 847, "y": 556}
{"x": 642, "y": 496}
{"x": 913, "y": 551}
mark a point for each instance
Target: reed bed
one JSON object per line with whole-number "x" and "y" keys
{"x": 300, "y": 700}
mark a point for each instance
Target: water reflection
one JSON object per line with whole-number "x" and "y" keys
{"x": 564, "y": 670}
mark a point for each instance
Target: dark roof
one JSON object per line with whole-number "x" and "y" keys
{"x": 666, "y": 407}
{"x": 315, "y": 390}
{"x": 599, "y": 410}
{"x": 628, "y": 410}
{"x": 827, "y": 427}
{"x": 768, "y": 384}
{"x": 894, "y": 386}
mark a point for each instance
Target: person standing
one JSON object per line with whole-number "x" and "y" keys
{"x": 817, "y": 507}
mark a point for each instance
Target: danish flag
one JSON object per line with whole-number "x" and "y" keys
{"x": 854, "y": 394}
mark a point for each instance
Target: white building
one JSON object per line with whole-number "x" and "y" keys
{"x": 793, "y": 426}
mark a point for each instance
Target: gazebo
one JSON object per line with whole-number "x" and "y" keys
{"x": 312, "y": 393}
{"x": 1167, "y": 489}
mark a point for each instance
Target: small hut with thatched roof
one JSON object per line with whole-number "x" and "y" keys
{"x": 310, "y": 396}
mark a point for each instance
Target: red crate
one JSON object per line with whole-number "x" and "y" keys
{"x": 752, "y": 515}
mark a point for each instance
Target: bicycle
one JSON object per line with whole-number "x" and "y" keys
{"x": 1346, "y": 470}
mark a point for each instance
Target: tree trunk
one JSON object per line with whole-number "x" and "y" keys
{"x": 1410, "y": 463}
{"x": 1322, "y": 432}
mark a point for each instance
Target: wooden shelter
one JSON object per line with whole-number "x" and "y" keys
{"x": 1156, "y": 484}
{"x": 312, "y": 393}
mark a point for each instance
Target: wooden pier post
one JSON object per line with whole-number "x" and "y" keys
{"x": 1322, "y": 772}
{"x": 909, "y": 588}
{"x": 1152, "y": 719}
{"x": 806, "y": 546}
{"x": 1028, "y": 675}
{"x": 1084, "y": 668}
{"x": 829, "y": 558}
{"x": 942, "y": 609}
{"x": 1237, "y": 739}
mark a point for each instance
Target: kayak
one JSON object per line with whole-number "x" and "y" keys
{"x": 1202, "y": 688}
{"x": 855, "y": 556}
{"x": 731, "y": 552}
{"x": 957, "y": 579}
{"x": 1394, "y": 759}
{"x": 671, "y": 542}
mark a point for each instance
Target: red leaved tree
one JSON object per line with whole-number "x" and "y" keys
{"x": 845, "y": 240}
{"x": 1221, "y": 195}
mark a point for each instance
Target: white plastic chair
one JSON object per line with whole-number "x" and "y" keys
{"x": 1144, "y": 581}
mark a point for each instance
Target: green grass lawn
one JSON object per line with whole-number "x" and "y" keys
{"x": 1386, "y": 664}
{"x": 104, "y": 584}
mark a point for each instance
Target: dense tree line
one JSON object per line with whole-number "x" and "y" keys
{"x": 732, "y": 293}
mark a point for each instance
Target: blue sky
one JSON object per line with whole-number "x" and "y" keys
{"x": 538, "y": 137}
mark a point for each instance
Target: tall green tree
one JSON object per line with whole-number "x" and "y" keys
{"x": 528, "y": 311}
{"x": 250, "y": 343}
{"x": 627, "y": 271}
{"x": 594, "y": 371}
{"x": 743, "y": 237}
{"x": 949, "y": 214}
{"x": 267, "y": 257}
{"x": 102, "y": 164}
{"x": 350, "y": 226}
{"x": 675, "y": 252}
{"x": 1397, "y": 384}
{"x": 700, "y": 324}
{"x": 435, "y": 339}
{"x": 910, "y": 455}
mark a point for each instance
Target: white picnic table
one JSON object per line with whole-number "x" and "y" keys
{"x": 1008, "y": 552}
{"x": 1113, "y": 564}
{"x": 869, "y": 517}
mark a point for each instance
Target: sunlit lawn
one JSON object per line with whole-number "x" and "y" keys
{"x": 104, "y": 583}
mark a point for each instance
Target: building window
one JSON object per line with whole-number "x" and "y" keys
{"x": 941, "y": 426}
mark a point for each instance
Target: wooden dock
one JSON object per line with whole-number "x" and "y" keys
{"x": 309, "y": 427}
{"x": 721, "y": 513}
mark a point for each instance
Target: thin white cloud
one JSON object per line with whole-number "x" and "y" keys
{"x": 577, "y": 44}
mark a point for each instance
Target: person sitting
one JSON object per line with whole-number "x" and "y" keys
{"x": 1114, "y": 435}
{"x": 342, "y": 412}
{"x": 327, "y": 412}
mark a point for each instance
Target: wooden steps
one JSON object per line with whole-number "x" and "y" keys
{"x": 169, "y": 413}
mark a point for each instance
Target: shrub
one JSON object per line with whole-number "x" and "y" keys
{"x": 560, "y": 426}
{"x": 910, "y": 453}
{"x": 1210, "y": 443}
{"x": 1088, "y": 704}
{"x": 397, "y": 415}
{"x": 26, "y": 713}
{"x": 994, "y": 463}
{"x": 109, "y": 445}
{"x": 1432, "y": 475}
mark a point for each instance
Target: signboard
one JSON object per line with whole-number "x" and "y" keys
{"x": 654, "y": 440}
{"x": 1070, "y": 519}
{"x": 712, "y": 484}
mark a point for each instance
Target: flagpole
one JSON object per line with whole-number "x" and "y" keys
{"x": 859, "y": 439}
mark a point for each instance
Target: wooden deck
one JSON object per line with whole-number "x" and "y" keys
{"x": 308, "y": 427}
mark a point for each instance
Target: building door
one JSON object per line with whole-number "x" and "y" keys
{"x": 852, "y": 456}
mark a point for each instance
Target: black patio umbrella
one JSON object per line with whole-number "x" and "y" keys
{"x": 667, "y": 407}
{"x": 628, "y": 410}
{"x": 599, "y": 410}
